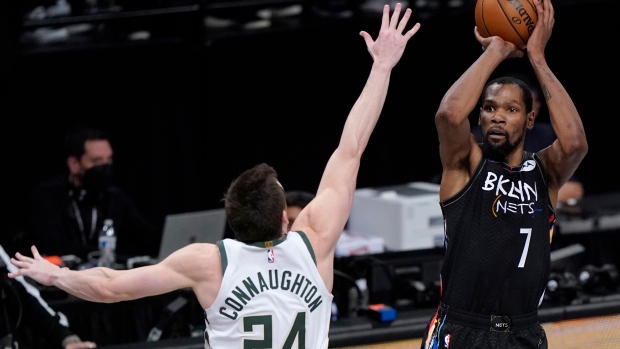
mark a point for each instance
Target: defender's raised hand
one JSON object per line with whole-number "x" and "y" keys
{"x": 391, "y": 41}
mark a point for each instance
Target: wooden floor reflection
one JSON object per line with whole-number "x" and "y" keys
{"x": 600, "y": 332}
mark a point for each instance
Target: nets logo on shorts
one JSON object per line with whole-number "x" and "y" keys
{"x": 271, "y": 256}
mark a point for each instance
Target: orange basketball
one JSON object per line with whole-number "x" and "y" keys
{"x": 511, "y": 20}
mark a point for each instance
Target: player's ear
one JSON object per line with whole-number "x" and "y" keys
{"x": 284, "y": 217}
{"x": 531, "y": 118}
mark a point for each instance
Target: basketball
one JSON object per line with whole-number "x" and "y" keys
{"x": 511, "y": 20}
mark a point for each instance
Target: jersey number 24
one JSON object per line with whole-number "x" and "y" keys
{"x": 298, "y": 330}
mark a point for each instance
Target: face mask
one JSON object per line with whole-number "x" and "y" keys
{"x": 97, "y": 178}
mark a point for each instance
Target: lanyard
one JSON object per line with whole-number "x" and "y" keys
{"x": 80, "y": 222}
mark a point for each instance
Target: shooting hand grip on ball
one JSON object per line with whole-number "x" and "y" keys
{"x": 511, "y": 20}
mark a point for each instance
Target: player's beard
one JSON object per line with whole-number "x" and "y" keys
{"x": 500, "y": 152}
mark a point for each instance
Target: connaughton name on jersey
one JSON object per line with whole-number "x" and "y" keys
{"x": 253, "y": 286}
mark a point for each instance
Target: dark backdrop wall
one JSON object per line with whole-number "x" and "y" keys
{"x": 186, "y": 119}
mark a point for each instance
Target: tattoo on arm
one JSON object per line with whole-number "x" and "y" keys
{"x": 547, "y": 74}
{"x": 546, "y": 92}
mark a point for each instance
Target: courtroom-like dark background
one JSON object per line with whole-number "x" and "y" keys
{"x": 186, "y": 119}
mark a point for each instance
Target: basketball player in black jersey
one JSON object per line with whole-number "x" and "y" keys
{"x": 498, "y": 201}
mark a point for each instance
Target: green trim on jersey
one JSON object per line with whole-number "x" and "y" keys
{"x": 271, "y": 243}
{"x": 267, "y": 244}
{"x": 308, "y": 245}
{"x": 223, "y": 256}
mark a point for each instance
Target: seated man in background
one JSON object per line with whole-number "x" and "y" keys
{"x": 67, "y": 211}
{"x": 296, "y": 200}
{"x": 28, "y": 321}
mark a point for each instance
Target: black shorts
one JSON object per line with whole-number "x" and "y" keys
{"x": 452, "y": 329}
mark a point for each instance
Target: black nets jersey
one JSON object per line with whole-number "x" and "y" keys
{"x": 497, "y": 236}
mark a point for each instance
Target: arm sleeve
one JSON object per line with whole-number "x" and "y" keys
{"x": 28, "y": 309}
{"x": 44, "y": 321}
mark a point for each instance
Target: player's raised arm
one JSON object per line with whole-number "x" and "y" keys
{"x": 565, "y": 154}
{"x": 325, "y": 217}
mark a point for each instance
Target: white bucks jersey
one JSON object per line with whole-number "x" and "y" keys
{"x": 272, "y": 296}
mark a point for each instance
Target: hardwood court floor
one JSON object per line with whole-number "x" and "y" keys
{"x": 600, "y": 332}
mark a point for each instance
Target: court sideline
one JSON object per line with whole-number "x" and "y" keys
{"x": 601, "y": 332}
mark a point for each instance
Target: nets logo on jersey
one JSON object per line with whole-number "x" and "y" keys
{"x": 512, "y": 197}
{"x": 271, "y": 256}
{"x": 528, "y": 166}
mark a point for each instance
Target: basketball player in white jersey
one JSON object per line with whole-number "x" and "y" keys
{"x": 269, "y": 287}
